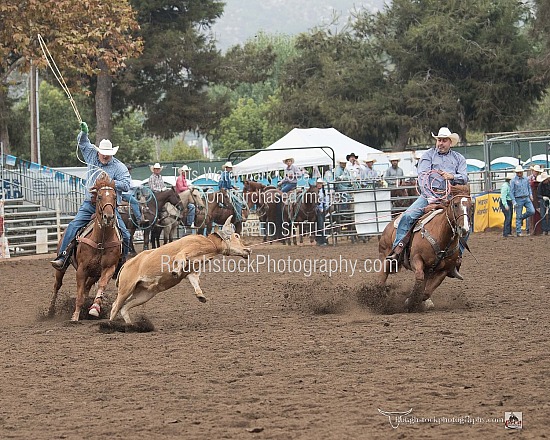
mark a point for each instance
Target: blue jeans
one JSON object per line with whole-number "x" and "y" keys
{"x": 190, "y": 213}
{"x": 82, "y": 218}
{"x": 288, "y": 187}
{"x": 130, "y": 198}
{"x": 530, "y": 210}
{"x": 410, "y": 216}
{"x": 320, "y": 234}
{"x": 544, "y": 215}
{"x": 507, "y": 230}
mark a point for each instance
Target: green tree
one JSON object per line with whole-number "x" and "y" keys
{"x": 170, "y": 80}
{"x": 180, "y": 151}
{"x": 247, "y": 127}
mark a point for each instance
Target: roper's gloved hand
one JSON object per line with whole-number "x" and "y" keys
{"x": 84, "y": 127}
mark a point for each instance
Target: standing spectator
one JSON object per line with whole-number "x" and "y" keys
{"x": 534, "y": 220}
{"x": 225, "y": 184}
{"x": 184, "y": 188}
{"x": 506, "y": 205}
{"x": 353, "y": 166}
{"x": 544, "y": 201}
{"x": 393, "y": 173}
{"x": 290, "y": 177}
{"x": 341, "y": 176}
{"x": 156, "y": 183}
{"x": 321, "y": 210}
{"x": 369, "y": 174}
{"x": 520, "y": 192}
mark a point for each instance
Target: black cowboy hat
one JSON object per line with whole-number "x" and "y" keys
{"x": 352, "y": 154}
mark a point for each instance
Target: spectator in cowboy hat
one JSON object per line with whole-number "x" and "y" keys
{"x": 506, "y": 205}
{"x": 156, "y": 183}
{"x": 394, "y": 172}
{"x": 226, "y": 178}
{"x": 321, "y": 210}
{"x": 522, "y": 196}
{"x": 99, "y": 158}
{"x": 353, "y": 166}
{"x": 341, "y": 175}
{"x": 368, "y": 173}
{"x": 452, "y": 168}
{"x": 544, "y": 201}
{"x": 291, "y": 175}
{"x": 184, "y": 188}
{"x": 534, "y": 220}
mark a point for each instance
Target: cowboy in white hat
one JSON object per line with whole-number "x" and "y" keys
{"x": 543, "y": 192}
{"x": 368, "y": 173}
{"x": 506, "y": 205}
{"x": 291, "y": 175}
{"x": 98, "y": 159}
{"x": 226, "y": 178}
{"x": 341, "y": 176}
{"x": 184, "y": 189}
{"x": 450, "y": 168}
{"x": 156, "y": 182}
{"x": 321, "y": 210}
{"x": 394, "y": 172}
{"x": 522, "y": 196}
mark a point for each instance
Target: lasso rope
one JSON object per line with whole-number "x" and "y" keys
{"x": 427, "y": 188}
{"x": 58, "y": 76}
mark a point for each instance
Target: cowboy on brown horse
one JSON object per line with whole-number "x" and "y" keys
{"x": 99, "y": 159}
{"x": 437, "y": 168}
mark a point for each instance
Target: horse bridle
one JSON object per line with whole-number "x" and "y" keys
{"x": 102, "y": 207}
{"x": 454, "y": 222}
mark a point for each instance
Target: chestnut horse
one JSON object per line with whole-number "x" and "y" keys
{"x": 269, "y": 207}
{"x": 97, "y": 252}
{"x": 433, "y": 248}
{"x": 299, "y": 213}
{"x": 219, "y": 207}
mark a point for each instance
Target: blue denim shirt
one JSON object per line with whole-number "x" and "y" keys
{"x": 115, "y": 169}
{"x": 452, "y": 162}
{"x": 519, "y": 187}
{"x": 225, "y": 180}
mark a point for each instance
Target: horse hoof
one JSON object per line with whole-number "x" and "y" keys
{"x": 427, "y": 305}
{"x": 201, "y": 298}
{"x": 95, "y": 309}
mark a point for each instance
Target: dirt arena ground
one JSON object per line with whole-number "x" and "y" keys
{"x": 286, "y": 355}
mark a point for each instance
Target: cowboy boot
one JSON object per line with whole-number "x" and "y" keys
{"x": 456, "y": 274}
{"x": 396, "y": 252}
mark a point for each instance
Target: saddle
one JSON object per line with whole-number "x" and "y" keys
{"x": 82, "y": 236}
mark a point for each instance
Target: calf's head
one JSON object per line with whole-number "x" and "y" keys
{"x": 232, "y": 241}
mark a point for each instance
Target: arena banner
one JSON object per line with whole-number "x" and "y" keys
{"x": 488, "y": 213}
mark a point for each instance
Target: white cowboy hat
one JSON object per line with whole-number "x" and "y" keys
{"x": 319, "y": 180}
{"x": 444, "y": 132}
{"x": 536, "y": 168}
{"x": 341, "y": 160}
{"x": 543, "y": 176}
{"x": 369, "y": 159}
{"x": 227, "y": 165}
{"x": 106, "y": 148}
{"x": 288, "y": 158}
{"x": 392, "y": 158}
{"x": 509, "y": 176}
{"x": 184, "y": 168}
{"x": 518, "y": 169}
{"x": 156, "y": 166}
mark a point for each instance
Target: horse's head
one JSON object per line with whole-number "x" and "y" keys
{"x": 459, "y": 210}
{"x": 104, "y": 195}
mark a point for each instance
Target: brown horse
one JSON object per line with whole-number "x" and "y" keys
{"x": 98, "y": 250}
{"x": 269, "y": 207}
{"x": 152, "y": 210}
{"x": 219, "y": 208}
{"x": 433, "y": 249}
{"x": 299, "y": 214}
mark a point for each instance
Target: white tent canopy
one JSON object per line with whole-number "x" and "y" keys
{"x": 293, "y": 144}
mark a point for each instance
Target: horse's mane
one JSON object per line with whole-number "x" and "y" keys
{"x": 457, "y": 190}
{"x": 104, "y": 180}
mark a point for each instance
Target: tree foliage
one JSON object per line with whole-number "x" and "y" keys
{"x": 169, "y": 81}
{"x": 423, "y": 63}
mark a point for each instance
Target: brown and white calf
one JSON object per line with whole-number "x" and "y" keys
{"x": 157, "y": 270}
